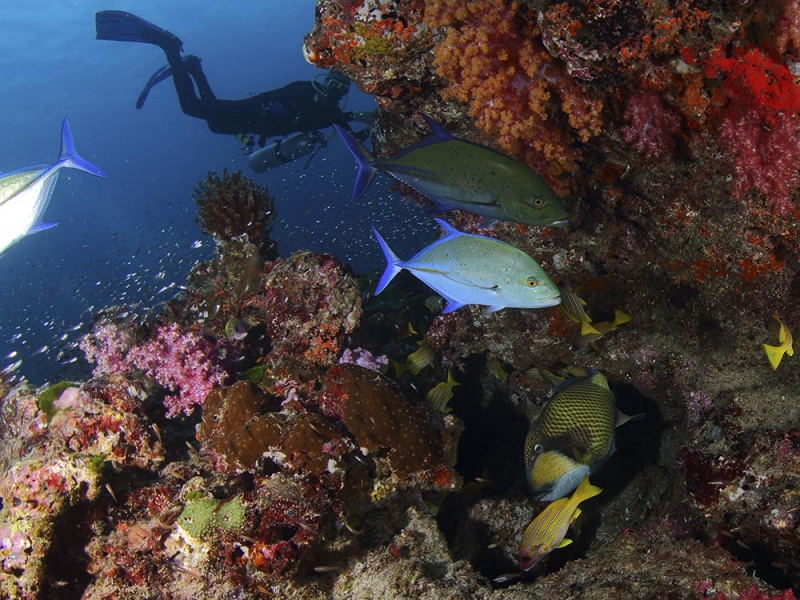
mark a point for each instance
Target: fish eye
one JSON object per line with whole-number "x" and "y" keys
{"x": 538, "y": 203}
{"x": 538, "y": 449}
{"x": 532, "y": 282}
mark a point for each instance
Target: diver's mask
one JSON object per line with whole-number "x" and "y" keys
{"x": 335, "y": 85}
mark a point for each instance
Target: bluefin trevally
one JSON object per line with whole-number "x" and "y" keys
{"x": 25, "y": 193}
{"x": 456, "y": 173}
{"x": 475, "y": 269}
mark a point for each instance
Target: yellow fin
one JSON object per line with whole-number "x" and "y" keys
{"x": 588, "y": 329}
{"x": 621, "y": 317}
{"x": 774, "y": 354}
{"x": 585, "y": 490}
{"x": 622, "y": 418}
{"x": 564, "y": 542}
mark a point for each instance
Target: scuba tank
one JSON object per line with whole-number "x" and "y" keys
{"x": 284, "y": 150}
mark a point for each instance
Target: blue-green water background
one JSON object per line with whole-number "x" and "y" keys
{"x": 133, "y": 238}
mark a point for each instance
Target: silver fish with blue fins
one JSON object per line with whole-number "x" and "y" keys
{"x": 25, "y": 193}
{"x": 466, "y": 268}
{"x": 573, "y": 436}
{"x": 456, "y": 173}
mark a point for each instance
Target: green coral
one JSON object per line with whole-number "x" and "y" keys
{"x": 255, "y": 375}
{"x": 374, "y": 44}
{"x": 47, "y": 398}
{"x": 203, "y": 515}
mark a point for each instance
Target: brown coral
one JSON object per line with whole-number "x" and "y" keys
{"x": 233, "y": 205}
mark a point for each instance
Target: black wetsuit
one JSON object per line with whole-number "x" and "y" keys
{"x": 298, "y": 106}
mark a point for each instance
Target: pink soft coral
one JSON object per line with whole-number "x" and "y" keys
{"x": 651, "y": 124}
{"x": 179, "y": 362}
{"x": 764, "y": 158}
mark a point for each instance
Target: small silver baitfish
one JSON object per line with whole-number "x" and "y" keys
{"x": 475, "y": 269}
{"x": 455, "y": 173}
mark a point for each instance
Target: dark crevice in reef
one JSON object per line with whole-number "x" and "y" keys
{"x": 65, "y": 574}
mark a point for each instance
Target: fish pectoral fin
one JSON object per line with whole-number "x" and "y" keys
{"x": 564, "y": 542}
{"x": 41, "y": 227}
{"x": 488, "y": 288}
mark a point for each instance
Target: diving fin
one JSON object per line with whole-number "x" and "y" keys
{"x": 121, "y": 26}
{"x": 157, "y": 77}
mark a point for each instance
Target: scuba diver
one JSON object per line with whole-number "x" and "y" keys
{"x": 296, "y": 112}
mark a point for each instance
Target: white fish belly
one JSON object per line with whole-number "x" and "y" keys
{"x": 21, "y": 212}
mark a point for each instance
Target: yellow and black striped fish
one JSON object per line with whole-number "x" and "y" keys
{"x": 573, "y": 436}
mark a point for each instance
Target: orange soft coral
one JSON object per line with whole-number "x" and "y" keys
{"x": 517, "y": 93}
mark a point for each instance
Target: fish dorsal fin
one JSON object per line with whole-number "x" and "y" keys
{"x": 449, "y": 230}
{"x": 776, "y": 328}
{"x": 439, "y": 134}
{"x": 599, "y": 380}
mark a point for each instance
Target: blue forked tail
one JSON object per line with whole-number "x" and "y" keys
{"x": 392, "y": 268}
{"x": 366, "y": 162}
{"x": 69, "y": 156}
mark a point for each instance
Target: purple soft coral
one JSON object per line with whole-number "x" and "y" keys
{"x": 363, "y": 358}
{"x": 651, "y": 124}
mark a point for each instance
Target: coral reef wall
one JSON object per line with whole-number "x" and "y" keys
{"x": 275, "y": 430}
{"x": 670, "y": 131}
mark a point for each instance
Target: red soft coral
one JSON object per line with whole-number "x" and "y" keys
{"x": 753, "y": 78}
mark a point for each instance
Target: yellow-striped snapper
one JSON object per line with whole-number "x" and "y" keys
{"x": 440, "y": 394}
{"x": 549, "y": 529}
{"x": 572, "y": 306}
{"x": 602, "y": 328}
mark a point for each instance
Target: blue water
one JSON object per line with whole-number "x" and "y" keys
{"x": 133, "y": 238}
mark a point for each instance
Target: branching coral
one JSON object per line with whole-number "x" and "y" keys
{"x": 233, "y": 205}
